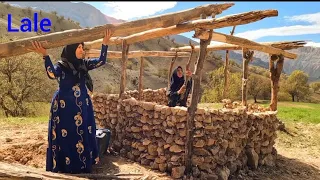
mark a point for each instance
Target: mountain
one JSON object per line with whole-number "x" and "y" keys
{"x": 182, "y": 39}
{"x": 308, "y": 60}
{"x": 85, "y": 14}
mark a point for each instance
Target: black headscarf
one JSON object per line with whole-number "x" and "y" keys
{"x": 176, "y": 82}
{"x": 70, "y": 61}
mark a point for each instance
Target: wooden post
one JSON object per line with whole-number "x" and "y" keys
{"x": 140, "y": 78}
{"x": 170, "y": 70}
{"x": 275, "y": 73}
{"x": 226, "y": 68}
{"x": 125, "y": 50}
{"x": 247, "y": 57}
{"x": 187, "y": 68}
{"x": 194, "y": 102}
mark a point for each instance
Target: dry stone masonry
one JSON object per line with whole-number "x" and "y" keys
{"x": 155, "y": 135}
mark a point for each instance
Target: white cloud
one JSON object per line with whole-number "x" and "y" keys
{"x": 311, "y": 18}
{"x": 312, "y": 44}
{"x": 130, "y": 10}
{"x": 280, "y": 31}
{"x": 314, "y": 28}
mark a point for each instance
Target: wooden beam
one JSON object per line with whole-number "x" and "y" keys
{"x": 275, "y": 72}
{"x": 125, "y": 50}
{"x": 226, "y": 68}
{"x": 94, "y": 53}
{"x": 58, "y": 39}
{"x": 231, "y": 20}
{"x": 140, "y": 78}
{"x": 247, "y": 44}
{"x": 285, "y": 45}
{"x": 194, "y": 102}
{"x": 247, "y": 57}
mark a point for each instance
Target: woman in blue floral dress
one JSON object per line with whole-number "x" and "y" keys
{"x": 72, "y": 144}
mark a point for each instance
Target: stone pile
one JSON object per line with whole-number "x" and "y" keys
{"x": 227, "y": 103}
{"x": 158, "y": 96}
{"x": 155, "y": 135}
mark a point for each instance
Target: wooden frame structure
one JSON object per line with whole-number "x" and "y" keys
{"x": 170, "y": 24}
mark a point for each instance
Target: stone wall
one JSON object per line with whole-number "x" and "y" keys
{"x": 155, "y": 135}
{"x": 158, "y": 96}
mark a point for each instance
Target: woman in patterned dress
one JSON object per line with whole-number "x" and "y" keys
{"x": 72, "y": 144}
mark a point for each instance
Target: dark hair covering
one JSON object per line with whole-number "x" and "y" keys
{"x": 69, "y": 54}
{"x": 176, "y": 82}
{"x": 70, "y": 61}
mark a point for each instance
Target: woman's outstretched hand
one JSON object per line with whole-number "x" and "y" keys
{"x": 38, "y": 48}
{"x": 107, "y": 36}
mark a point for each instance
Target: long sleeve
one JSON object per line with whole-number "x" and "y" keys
{"x": 97, "y": 62}
{"x": 53, "y": 71}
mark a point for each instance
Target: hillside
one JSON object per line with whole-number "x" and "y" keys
{"x": 85, "y": 14}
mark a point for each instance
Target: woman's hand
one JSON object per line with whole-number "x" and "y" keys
{"x": 182, "y": 89}
{"x": 107, "y": 36}
{"x": 38, "y": 48}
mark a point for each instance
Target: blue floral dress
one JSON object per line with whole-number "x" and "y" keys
{"x": 72, "y": 144}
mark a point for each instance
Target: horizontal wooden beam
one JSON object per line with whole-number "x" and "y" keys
{"x": 245, "y": 43}
{"x": 285, "y": 45}
{"x": 94, "y": 53}
{"x": 231, "y": 20}
{"x": 58, "y": 39}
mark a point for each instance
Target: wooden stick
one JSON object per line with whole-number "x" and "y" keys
{"x": 170, "y": 70}
{"x": 247, "y": 57}
{"x": 187, "y": 68}
{"x": 141, "y": 77}
{"x": 125, "y": 50}
{"x": 275, "y": 73}
{"x": 231, "y": 20}
{"x": 285, "y": 45}
{"x": 122, "y": 29}
{"x": 194, "y": 102}
{"x": 226, "y": 68}
{"x": 94, "y": 53}
{"x": 246, "y": 44}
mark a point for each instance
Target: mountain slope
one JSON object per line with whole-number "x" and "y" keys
{"x": 85, "y": 14}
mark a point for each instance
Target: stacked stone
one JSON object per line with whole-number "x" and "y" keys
{"x": 158, "y": 96}
{"x": 155, "y": 135}
{"x": 227, "y": 103}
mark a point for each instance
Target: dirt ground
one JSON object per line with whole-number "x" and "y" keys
{"x": 298, "y": 154}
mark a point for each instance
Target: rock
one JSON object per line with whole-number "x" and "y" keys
{"x": 211, "y": 142}
{"x": 200, "y": 143}
{"x": 200, "y": 111}
{"x": 166, "y": 146}
{"x": 201, "y": 152}
{"x": 179, "y": 141}
{"x": 195, "y": 172}
{"x": 8, "y": 140}
{"x": 214, "y": 150}
{"x": 176, "y": 149}
{"x": 152, "y": 149}
{"x": 265, "y": 143}
{"x": 135, "y": 129}
{"x": 207, "y": 120}
{"x": 197, "y": 160}
{"x": 269, "y": 160}
{"x": 182, "y": 111}
{"x": 253, "y": 158}
{"x": 224, "y": 144}
{"x": 148, "y": 106}
{"x": 162, "y": 167}
{"x": 169, "y": 140}
{"x": 205, "y": 167}
{"x": 178, "y": 172}
{"x": 146, "y": 142}
{"x": 223, "y": 174}
{"x": 170, "y": 131}
{"x": 182, "y": 132}
{"x": 181, "y": 125}
{"x": 198, "y": 125}
{"x": 175, "y": 158}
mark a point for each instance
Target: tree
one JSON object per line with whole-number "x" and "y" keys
{"x": 297, "y": 85}
{"x": 315, "y": 86}
{"x": 213, "y": 90}
{"x": 257, "y": 85}
{"x": 22, "y": 82}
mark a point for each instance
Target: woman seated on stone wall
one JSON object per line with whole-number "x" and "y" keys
{"x": 178, "y": 92}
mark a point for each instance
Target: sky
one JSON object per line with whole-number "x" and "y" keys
{"x": 295, "y": 20}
